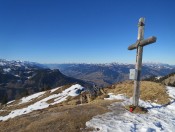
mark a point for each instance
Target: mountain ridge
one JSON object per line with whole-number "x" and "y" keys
{"x": 18, "y": 79}
{"x": 110, "y": 73}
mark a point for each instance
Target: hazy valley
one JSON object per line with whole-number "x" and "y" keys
{"x": 110, "y": 73}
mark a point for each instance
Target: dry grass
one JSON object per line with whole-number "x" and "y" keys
{"x": 150, "y": 91}
{"x": 62, "y": 89}
{"x": 56, "y": 118}
{"x": 4, "y": 113}
{"x": 68, "y": 116}
{"x": 64, "y": 117}
{"x": 15, "y": 105}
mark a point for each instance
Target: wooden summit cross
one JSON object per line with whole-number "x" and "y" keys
{"x": 140, "y": 43}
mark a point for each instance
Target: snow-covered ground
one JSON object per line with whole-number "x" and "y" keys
{"x": 29, "y": 98}
{"x": 159, "y": 118}
{"x": 41, "y": 104}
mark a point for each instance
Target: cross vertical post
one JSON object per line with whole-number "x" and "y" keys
{"x": 138, "y": 65}
{"x": 140, "y": 43}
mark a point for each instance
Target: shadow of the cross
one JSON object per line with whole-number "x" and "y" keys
{"x": 165, "y": 105}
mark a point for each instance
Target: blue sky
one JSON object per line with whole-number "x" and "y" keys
{"x": 90, "y": 31}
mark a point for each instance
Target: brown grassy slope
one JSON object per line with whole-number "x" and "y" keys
{"x": 71, "y": 117}
{"x": 150, "y": 91}
{"x": 15, "y": 105}
{"x": 68, "y": 118}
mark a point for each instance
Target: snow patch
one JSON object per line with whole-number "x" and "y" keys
{"x": 6, "y": 69}
{"x": 159, "y": 77}
{"x": 55, "y": 89}
{"x": 17, "y": 76}
{"x": 118, "y": 97}
{"x": 31, "y": 97}
{"x": 73, "y": 90}
{"x": 2, "y": 64}
{"x": 58, "y": 98}
{"x": 171, "y": 91}
{"x": 29, "y": 77}
{"x": 158, "y": 118}
{"x": 10, "y": 102}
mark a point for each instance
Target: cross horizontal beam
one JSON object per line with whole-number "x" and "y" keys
{"x": 143, "y": 43}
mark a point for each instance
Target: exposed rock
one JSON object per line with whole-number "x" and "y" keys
{"x": 85, "y": 97}
{"x": 170, "y": 80}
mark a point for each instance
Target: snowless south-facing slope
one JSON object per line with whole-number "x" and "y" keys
{"x": 158, "y": 119}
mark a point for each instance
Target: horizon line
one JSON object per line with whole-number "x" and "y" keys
{"x": 124, "y": 63}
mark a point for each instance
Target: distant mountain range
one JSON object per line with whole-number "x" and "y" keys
{"x": 19, "y": 79}
{"x": 107, "y": 74}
